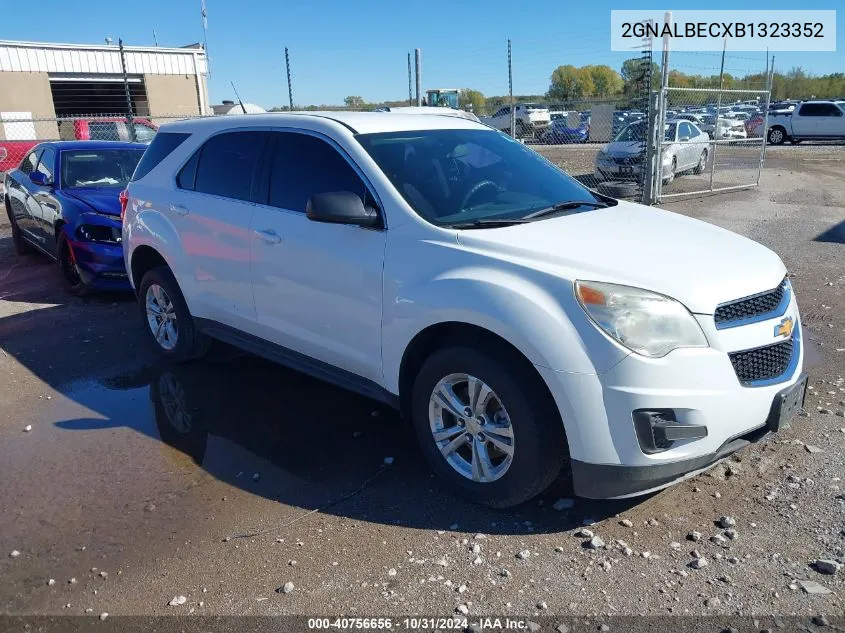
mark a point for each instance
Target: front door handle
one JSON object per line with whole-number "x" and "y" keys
{"x": 268, "y": 235}
{"x": 180, "y": 209}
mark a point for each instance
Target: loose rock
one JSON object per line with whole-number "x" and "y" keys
{"x": 813, "y": 588}
{"x": 103, "y": 616}
{"x": 27, "y": 428}
{"x": 698, "y": 563}
{"x": 712, "y": 602}
{"x": 694, "y": 536}
{"x": 562, "y": 628}
{"x": 584, "y": 533}
{"x": 51, "y": 582}
{"x": 542, "y": 606}
{"x": 727, "y": 522}
{"x": 523, "y": 554}
{"x": 533, "y": 627}
{"x": 286, "y": 588}
{"x": 731, "y": 534}
{"x": 595, "y": 543}
{"x": 626, "y": 522}
{"x": 14, "y": 553}
{"x": 718, "y": 539}
{"x": 827, "y": 566}
{"x": 177, "y": 601}
{"x": 812, "y": 449}
{"x": 462, "y": 608}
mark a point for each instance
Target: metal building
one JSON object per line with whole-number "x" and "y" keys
{"x": 42, "y": 81}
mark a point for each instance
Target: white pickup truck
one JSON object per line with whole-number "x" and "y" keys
{"x": 531, "y": 120}
{"x": 818, "y": 120}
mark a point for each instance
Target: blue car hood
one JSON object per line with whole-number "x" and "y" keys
{"x": 102, "y": 199}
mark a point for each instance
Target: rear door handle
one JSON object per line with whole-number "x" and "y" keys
{"x": 180, "y": 209}
{"x": 268, "y": 235}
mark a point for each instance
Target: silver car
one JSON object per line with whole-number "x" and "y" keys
{"x": 685, "y": 148}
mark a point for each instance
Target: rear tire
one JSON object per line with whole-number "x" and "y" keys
{"x": 21, "y": 246}
{"x": 776, "y": 136}
{"x": 167, "y": 321}
{"x": 537, "y": 442}
{"x": 702, "y": 163}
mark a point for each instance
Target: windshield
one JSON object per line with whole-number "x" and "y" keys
{"x": 99, "y": 167}
{"x": 459, "y": 176}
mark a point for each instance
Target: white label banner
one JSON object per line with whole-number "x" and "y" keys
{"x": 758, "y": 30}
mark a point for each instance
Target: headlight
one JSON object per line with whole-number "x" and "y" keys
{"x": 645, "y": 322}
{"x": 99, "y": 233}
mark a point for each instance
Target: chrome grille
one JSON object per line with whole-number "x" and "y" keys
{"x": 750, "y": 307}
{"x": 762, "y": 363}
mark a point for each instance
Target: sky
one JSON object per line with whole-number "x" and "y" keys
{"x": 359, "y": 47}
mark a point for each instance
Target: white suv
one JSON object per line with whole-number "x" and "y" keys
{"x": 521, "y": 322}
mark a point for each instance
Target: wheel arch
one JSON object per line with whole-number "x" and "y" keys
{"x": 143, "y": 259}
{"x": 439, "y": 335}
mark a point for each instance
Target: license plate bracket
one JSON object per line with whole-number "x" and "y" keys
{"x": 786, "y": 404}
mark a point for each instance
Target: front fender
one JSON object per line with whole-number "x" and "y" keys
{"x": 532, "y": 319}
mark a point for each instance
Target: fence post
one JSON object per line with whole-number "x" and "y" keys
{"x": 652, "y": 144}
{"x": 510, "y": 92}
{"x": 130, "y": 117}
{"x": 661, "y": 118}
{"x": 718, "y": 111}
{"x": 290, "y": 87}
{"x": 418, "y": 61}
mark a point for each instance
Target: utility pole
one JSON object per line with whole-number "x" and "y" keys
{"x": 130, "y": 117}
{"x": 418, "y": 62}
{"x": 510, "y": 92}
{"x": 410, "y": 88}
{"x": 290, "y": 88}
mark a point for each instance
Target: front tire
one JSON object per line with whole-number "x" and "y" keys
{"x": 166, "y": 318}
{"x": 69, "y": 269}
{"x": 493, "y": 434}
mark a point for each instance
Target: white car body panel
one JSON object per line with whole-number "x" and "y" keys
{"x": 355, "y": 298}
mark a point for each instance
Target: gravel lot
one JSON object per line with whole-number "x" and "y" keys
{"x": 223, "y": 481}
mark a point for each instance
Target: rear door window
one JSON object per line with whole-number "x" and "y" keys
{"x": 228, "y": 164}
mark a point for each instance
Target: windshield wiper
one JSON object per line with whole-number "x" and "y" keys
{"x": 482, "y": 223}
{"x": 564, "y": 206}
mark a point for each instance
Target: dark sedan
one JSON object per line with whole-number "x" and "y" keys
{"x": 63, "y": 201}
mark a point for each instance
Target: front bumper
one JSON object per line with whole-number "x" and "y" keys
{"x": 608, "y": 167}
{"x": 701, "y": 388}
{"x": 101, "y": 265}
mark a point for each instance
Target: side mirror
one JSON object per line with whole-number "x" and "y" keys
{"x": 684, "y": 138}
{"x": 39, "y": 179}
{"x": 340, "y": 207}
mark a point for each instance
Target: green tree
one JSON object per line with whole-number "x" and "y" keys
{"x": 606, "y": 81}
{"x": 633, "y": 71}
{"x": 569, "y": 83}
{"x": 472, "y": 98}
{"x": 354, "y": 102}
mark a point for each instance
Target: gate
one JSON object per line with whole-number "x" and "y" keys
{"x": 712, "y": 140}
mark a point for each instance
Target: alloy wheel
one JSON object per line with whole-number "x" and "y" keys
{"x": 471, "y": 428}
{"x": 161, "y": 317}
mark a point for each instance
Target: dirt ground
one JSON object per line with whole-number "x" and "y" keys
{"x": 223, "y": 480}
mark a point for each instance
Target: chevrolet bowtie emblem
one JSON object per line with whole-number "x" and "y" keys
{"x": 784, "y": 328}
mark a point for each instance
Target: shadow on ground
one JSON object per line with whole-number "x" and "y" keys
{"x": 314, "y": 446}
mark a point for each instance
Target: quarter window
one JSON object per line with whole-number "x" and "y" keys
{"x": 45, "y": 165}
{"x": 227, "y": 164}
{"x": 304, "y": 165}
{"x": 30, "y": 161}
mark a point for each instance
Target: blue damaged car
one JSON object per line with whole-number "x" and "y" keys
{"x": 63, "y": 200}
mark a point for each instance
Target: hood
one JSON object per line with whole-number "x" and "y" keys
{"x": 699, "y": 264}
{"x": 625, "y": 148}
{"x": 102, "y": 199}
